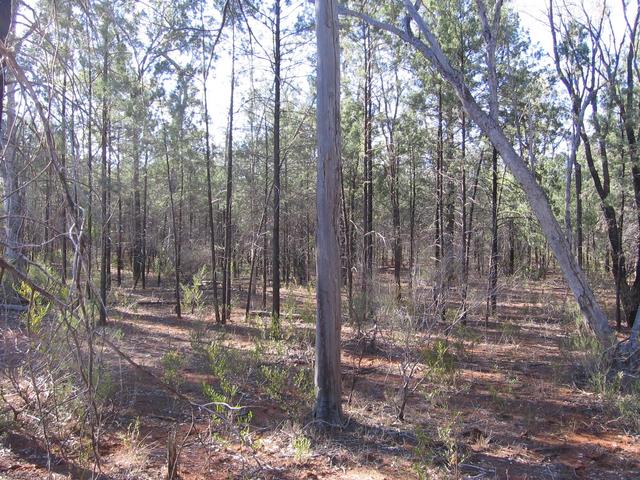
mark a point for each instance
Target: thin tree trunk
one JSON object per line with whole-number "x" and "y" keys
{"x": 104, "y": 244}
{"x": 579, "y": 236}
{"x": 89, "y": 236}
{"x": 492, "y": 298}
{"x": 63, "y": 161}
{"x": 119, "y": 260}
{"x": 174, "y": 221}
{"x": 367, "y": 277}
{"x": 412, "y": 222}
{"x": 275, "y": 240}
{"x": 145, "y": 212}
{"x": 264, "y": 238}
{"x": 228, "y": 233}
{"x": 210, "y": 219}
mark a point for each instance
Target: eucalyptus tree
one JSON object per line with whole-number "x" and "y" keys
{"x": 275, "y": 240}
{"x": 597, "y": 69}
{"x": 392, "y": 90}
{"x": 429, "y": 46}
{"x": 207, "y": 56}
{"x": 13, "y": 197}
{"x": 328, "y": 378}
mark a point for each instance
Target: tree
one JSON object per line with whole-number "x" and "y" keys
{"x": 10, "y": 168}
{"x": 275, "y": 241}
{"x": 430, "y": 48}
{"x": 328, "y": 378}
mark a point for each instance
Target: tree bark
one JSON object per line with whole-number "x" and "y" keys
{"x": 367, "y": 258}
{"x": 105, "y": 240}
{"x": 275, "y": 240}
{"x": 176, "y": 230}
{"x": 328, "y": 381}
{"x": 228, "y": 233}
{"x": 207, "y": 151}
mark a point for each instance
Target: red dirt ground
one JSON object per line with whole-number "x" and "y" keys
{"x": 514, "y": 408}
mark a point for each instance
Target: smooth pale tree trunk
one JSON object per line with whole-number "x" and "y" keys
{"x": 13, "y": 201}
{"x": 328, "y": 381}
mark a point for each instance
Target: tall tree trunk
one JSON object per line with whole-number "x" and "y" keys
{"x": 275, "y": 240}
{"x": 228, "y": 233}
{"x": 176, "y": 229}
{"x": 10, "y": 168}
{"x": 438, "y": 244}
{"x": 367, "y": 258}
{"x": 137, "y": 250}
{"x": 119, "y": 260}
{"x": 89, "y": 236}
{"x": 104, "y": 244}
{"x": 579, "y": 236}
{"x": 328, "y": 379}
{"x": 145, "y": 212}
{"x": 63, "y": 161}
{"x": 412, "y": 222}
{"x": 492, "y": 298}
{"x": 207, "y": 151}
{"x": 266, "y": 200}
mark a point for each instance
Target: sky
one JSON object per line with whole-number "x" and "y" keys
{"x": 533, "y": 16}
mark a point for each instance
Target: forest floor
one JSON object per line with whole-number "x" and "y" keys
{"x": 509, "y": 399}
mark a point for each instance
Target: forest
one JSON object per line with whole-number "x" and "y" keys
{"x": 292, "y": 239}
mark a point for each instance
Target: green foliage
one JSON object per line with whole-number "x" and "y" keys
{"x": 275, "y": 381}
{"x": 37, "y": 308}
{"x": 172, "y": 363}
{"x": 627, "y": 405}
{"x": 308, "y": 311}
{"x": 439, "y": 450}
{"x": 440, "y": 359}
{"x": 131, "y": 438}
{"x": 497, "y": 399}
{"x": 192, "y": 295}
{"x": 303, "y": 380}
{"x": 301, "y": 446}
{"x": 509, "y": 332}
{"x": 584, "y": 348}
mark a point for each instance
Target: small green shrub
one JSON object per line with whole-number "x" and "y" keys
{"x": 303, "y": 381}
{"x": 172, "y": 363}
{"x": 275, "y": 381}
{"x": 628, "y": 408}
{"x": 192, "y": 295}
{"x": 439, "y": 359}
{"x": 301, "y": 446}
{"x": 37, "y": 308}
{"x": 509, "y": 332}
